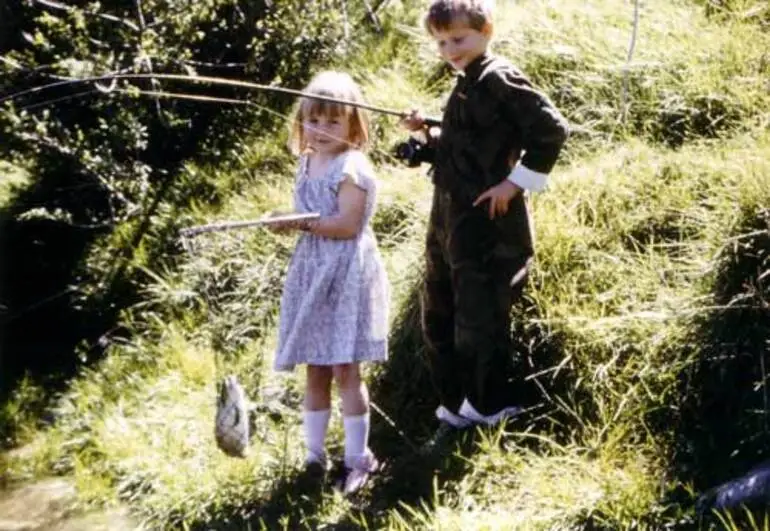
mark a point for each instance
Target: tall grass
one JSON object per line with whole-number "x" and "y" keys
{"x": 642, "y": 219}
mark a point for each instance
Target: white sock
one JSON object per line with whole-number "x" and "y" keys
{"x": 356, "y": 438}
{"x": 316, "y": 423}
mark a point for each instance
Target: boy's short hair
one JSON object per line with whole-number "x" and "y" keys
{"x": 442, "y": 14}
{"x": 336, "y": 85}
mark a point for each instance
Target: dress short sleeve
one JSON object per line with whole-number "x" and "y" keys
{"x": 355, "y": 166}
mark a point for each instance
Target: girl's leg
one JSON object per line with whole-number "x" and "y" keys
{"x": 352, "y": 389}
{"x": 355, "y": 410}
{"x": 317, "y": 412}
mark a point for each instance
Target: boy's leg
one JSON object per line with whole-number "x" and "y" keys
{"x": 489, "y": 268}
{"x": 494, "y": 388}
{"x": 437, "y": 311}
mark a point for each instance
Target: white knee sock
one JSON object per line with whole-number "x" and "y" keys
{"x": 356, "y": 438}
{"x": 316, "y": 423}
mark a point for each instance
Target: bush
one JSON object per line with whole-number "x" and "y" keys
{"x": 107, "y": 184}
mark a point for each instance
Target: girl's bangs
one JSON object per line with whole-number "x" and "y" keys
{"x": 314, "y": 107}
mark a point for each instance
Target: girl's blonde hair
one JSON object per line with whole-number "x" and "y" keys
{"x": 337, "y": 85}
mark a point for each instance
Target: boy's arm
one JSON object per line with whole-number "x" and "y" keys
{"x": 543, "y": 129}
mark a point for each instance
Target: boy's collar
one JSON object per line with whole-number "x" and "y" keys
{"x": 475, "y": 67}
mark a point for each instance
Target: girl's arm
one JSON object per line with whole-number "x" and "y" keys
{"x": 347, "y": 222}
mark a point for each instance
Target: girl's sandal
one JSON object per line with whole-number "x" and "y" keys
{"x": 356, "y": 477}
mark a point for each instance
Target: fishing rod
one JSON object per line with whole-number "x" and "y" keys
{"x": 212, "y": 227}
{"x": 404, "y": 150}
{"x": 429, "y": 121}
{"x": 266, "y": 221}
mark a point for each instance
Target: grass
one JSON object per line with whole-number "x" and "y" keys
{"x": 649, "y": 247}
{"x": 12, "y": 177}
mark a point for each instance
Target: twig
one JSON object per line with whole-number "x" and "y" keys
{"x": 632, "y": 45}
{"x": 372, "y": 13}
{"x": 211, "y": 65}
{"x": 373, "y": 16}
{"x": 393, "y": 424}
{"x": 62, "y": 7}
{"x": 148, "y": 62}
{"x": 345, "y": 25}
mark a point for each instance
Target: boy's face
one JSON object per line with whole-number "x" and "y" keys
{"x": 460, "y": 44}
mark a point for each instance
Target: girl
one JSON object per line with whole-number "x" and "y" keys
{"x": 334, "y": 308}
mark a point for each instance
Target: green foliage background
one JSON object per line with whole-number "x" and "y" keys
{"x": 645, "y": 330}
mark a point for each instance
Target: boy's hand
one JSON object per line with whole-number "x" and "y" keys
{"x": 499, "y": 197}
{"x": 413, "y": 120}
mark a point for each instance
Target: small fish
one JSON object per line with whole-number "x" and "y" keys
{"x": 231, "y": 428}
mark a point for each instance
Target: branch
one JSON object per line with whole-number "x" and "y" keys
{"x": 62, "y": 7}
{"x": 71, "y": 154}
{"x": 631, "y": 47}
{"x": 373, "y": 15}
{"x": 148, "y": 63}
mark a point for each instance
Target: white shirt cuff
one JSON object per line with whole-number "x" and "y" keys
{"x": 528, "y": 179}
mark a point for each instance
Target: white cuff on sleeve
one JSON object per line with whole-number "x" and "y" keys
{"x": 528, "y": 179}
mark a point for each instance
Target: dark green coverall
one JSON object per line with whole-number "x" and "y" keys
{"x": 476, "y": 267}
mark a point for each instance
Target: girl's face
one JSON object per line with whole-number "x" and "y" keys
{"x": 460, "y": 44}
{"x": 327, "y": 134}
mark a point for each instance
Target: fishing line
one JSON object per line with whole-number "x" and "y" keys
{"x": 202, "y": 79}
{"x": 393, "y": 425}
{"x": 59, "y": 100}
{"x": 196, "y": 97}
{"x": 429, "y": 121}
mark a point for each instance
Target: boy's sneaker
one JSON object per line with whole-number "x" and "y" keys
{"x": 356, "y": 476}
{"x": 454, "y": 420}
{"x": 470, "y": 413}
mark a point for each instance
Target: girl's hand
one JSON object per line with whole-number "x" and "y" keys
{"x": 500, "y": 197}
{"x": 413, "y": 120}
{"x": 281, "y": 227}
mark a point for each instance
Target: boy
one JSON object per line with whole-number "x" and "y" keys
{"x": 499, "y": 137}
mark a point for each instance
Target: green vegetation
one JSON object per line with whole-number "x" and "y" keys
{"x": 13, "y": 178}
{"x": 645, "y": 330}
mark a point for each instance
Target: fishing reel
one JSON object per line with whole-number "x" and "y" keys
{"x": 419, "y": 148}
{"x": 414, "y": 152}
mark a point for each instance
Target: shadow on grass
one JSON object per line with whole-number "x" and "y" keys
{"x": 57, "y": 313}
{"x": 405, "y": 394}
{"x": 292, "y": 504}
{"x": 402, "y": 419}
{"x": 41, "y": 265}
{"x": 723, "y": 426}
